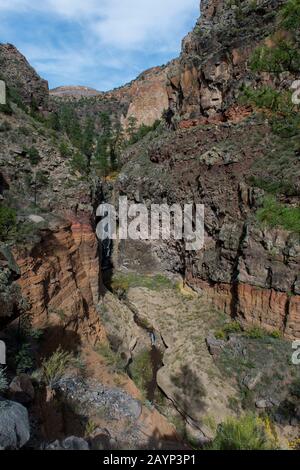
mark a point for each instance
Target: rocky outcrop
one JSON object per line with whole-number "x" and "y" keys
{"x": 21, "y": 78}
{"x": 213, "y": 65}
{"x": 14, "y": 425}
{"x": 11, "y": 300}
{"x": 60, "y": 278}
{"x": 147, "y": 96}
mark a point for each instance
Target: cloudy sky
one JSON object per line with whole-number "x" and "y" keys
{"x": 97, "y": 43}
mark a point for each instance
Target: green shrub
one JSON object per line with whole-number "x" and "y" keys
{"x": 33, "y": 155}
{"x": 137, "y": 134}
{"x": 278, "y": 107}
{"x": 141, "y": 370}
{"x": 55, "y": 366}
{"x": 3, "y": 380}
{"x": 79, "y": 163}
{"x": 290, "y": 15}
{"x": 267, "y": 97}
{"x": 273, "y": 187}
{"x": 64, "y": 149}
{"x": 228, "y": 328}
{"x": 7, "y": 221}
{"x": 24, "y": 359}
{"x": 275, "y": 214}
{"x": 284, "y": 56}
{"x": 246, "y": 433}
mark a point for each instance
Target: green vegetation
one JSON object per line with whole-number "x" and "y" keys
{"x": 3, "y": 380}
{"x": 7, "y": 221}
{"x": 33, "y": 155}
{"x": 267, "y": 97}
{"x": 290, "y": 15}
{"x": 245, "y": 433}
{"x": 284, "y": 53}
{"x": 109, "y": 146}
{"x": 123, "y": 282}
{"x": 55, "y": 366}
{"x": 111, "y": 358}
{"x": 256, "y": 332}
{"x": 141, "y": 370}
{"x": 79, "y": 163}
{"x": 90, "y": 428}
{"x": 26, "y": 330}
{"x": 273, "y": 187}
{"x": 26, "y": 336}
{"x": 228, "y": 328}
{"x": 138, "y": 133}
{"x": 6, "y": 109}
{"x": 283, "y": 56}
{"x": 275, "y": 214}
{"x": 277, "y": 106}
{"x": 24, "y": 359}
{"x": 64, "y": 149}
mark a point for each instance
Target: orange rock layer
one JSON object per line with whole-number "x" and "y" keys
{"x": 60, "y": 278}
{"x": 267, "y": 308}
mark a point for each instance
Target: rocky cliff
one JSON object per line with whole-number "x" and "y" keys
{"x": 249, "y": 270}
{"x": 23, "y": 80}
{"x": 213, "y": 64}
{"x": 145, "y": 98}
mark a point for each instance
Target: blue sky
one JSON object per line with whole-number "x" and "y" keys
{"x": 97, "y": 43}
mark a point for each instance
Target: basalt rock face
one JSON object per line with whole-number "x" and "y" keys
{"x": 213, "y": 63}
{"x": 22, "y": 78}
{"x": 245, "y": 269}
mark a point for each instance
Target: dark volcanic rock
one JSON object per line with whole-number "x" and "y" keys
{"x": 20, "y": 76}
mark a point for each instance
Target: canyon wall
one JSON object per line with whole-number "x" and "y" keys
{"x": 59, "y": 276}
{"x": 213, "y": 63}
{"x": 219, "y": 151}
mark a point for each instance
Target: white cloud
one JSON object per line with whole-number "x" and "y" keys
{"x": 111, "y": 34}
{"x": 132, "y": 23}
{"x": 119, "y": 23}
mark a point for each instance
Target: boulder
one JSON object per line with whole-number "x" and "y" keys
{"x": 250, "y": 381}
{"x": 21, "y": 389}
{"x": 14, "y": 425}
{"x": 263, "y": 404}
{"x": 70, "y": 443}
{"x": 215, "y": 346}
{"x": 36, "y": 219}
